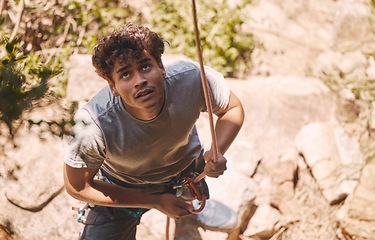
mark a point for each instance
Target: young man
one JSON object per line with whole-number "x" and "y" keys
{"x": 139, "y": 133}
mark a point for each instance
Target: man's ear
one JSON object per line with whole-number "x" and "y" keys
{"x": 113, "y": 88}
{"x": 161, "y": 66}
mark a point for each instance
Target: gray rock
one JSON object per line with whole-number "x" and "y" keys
{"x": 334, "y": 159}
{"x": 357, "y": 216}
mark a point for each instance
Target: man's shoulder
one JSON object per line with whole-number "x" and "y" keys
{"x": 100, "y": 103}
{"x": 174, "y": 67}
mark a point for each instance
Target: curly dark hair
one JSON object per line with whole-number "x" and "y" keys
{"x": 125, "y": 44}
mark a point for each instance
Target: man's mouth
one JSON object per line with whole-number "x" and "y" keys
{"x": 143, "y": 93}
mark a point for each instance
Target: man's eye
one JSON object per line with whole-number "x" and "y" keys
{"x": 145, "y": 67}
{"x": 125, "y": 75}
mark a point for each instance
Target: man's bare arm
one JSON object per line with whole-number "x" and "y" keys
{"x": 227, "y": 126}
{"x": 229, "y": 123}
{"x": 80, "y": 184}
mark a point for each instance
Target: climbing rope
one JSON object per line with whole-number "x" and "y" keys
{"x": 206, "y": 90}
{"x": 191, "y": 182}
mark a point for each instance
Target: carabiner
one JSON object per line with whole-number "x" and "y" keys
{"x": 194, "y": 191}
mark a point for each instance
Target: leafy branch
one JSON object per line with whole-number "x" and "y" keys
{"x": 226, "y": 47}
{"x": 20, "y": 86}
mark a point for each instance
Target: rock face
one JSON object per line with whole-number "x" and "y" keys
{"x": 33, "y": 202}
{"x": 294, "y": 170}
{"x": 302, "y": 37}
{"x": 357, "y": 216}
{"x": 39, "y": 177}
{"x": 262, "y": 163}
{"x": 335, "y": 160}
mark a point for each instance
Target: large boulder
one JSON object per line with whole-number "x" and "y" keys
{"x": 357, "y": 216}
{"x": 334, "y": 158}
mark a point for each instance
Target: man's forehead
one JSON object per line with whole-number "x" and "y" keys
{"x": 131, "y": 57}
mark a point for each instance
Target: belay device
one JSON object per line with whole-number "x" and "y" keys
{"x": 189, "y": 190}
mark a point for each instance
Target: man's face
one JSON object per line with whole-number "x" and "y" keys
{"x": 140, "y": 83}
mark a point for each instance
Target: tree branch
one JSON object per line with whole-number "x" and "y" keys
{"x": 19, "y": 18}
{"x": 3, "y": 6}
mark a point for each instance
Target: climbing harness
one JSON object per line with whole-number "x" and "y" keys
{"x": 184, "y": 188}
{"x": 82, "y": 212}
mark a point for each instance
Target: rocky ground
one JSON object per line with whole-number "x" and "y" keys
{"x": 298, "y": 167}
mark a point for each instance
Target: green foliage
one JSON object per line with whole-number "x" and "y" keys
{"x": 48, "y": 33}
{"x": 72, "y": 25}
{"x": 21, "y": 83}
{"x": 360, "y": 89}
{"x": 51, "y": 31}
{"x": 225, "y": 46}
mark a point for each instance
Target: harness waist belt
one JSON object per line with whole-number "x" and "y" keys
{"x": 197, "y": 165}
{"x": 147, "y": 188}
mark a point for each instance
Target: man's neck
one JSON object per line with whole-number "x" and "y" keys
{"x": 146, "y": 114}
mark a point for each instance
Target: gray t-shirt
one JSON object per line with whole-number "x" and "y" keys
{"x": 146, "y": 152}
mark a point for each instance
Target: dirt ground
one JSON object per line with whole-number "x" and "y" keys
{"x": 316, "y": 216}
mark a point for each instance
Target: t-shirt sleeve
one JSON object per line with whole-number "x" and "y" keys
{"x": 219, "y": 89}
{"x": 86, "y": 146}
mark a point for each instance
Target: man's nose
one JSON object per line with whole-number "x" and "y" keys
{"x": 139, "y": 80}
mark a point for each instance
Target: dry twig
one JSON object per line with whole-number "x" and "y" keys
{"x": 19, "y": 18}
{"x": 3, "y": 6}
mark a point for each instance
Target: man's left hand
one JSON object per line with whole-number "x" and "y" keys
{"x": 212, "y": 168}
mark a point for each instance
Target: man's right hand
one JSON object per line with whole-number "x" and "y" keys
{"x": 172, "y": 206}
